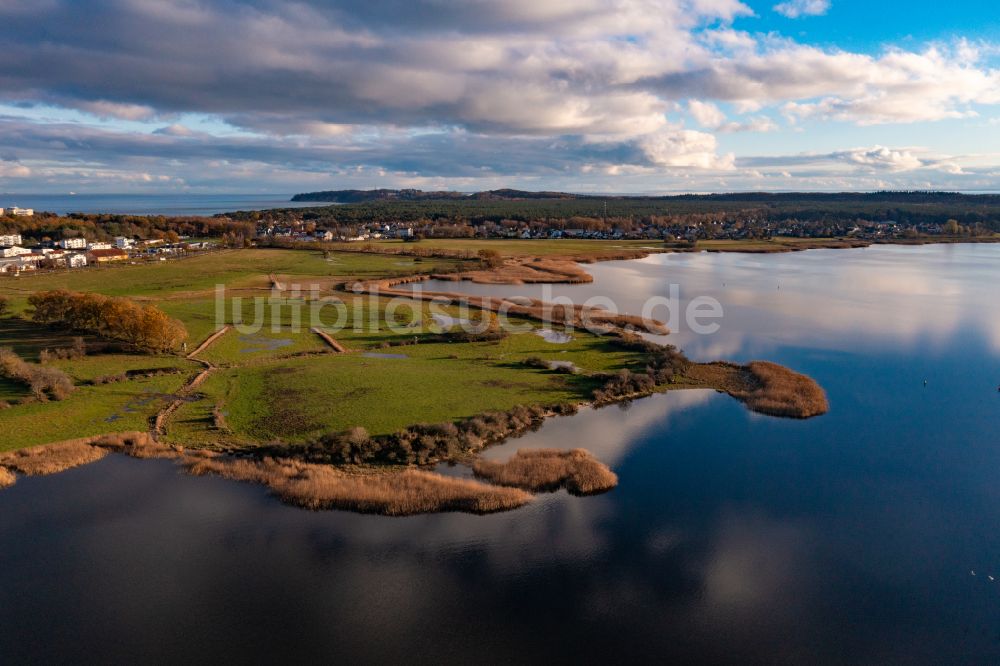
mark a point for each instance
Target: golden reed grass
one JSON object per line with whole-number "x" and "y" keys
{"x": 543, "y": 470}
{"x": 7, "y": 478}
{"x": 53, "y": 458}
{"x": 764, "y": 387}
{"x": 60, "y": 456}
{"x": 392, "y": 493}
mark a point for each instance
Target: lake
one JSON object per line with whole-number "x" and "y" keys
{"x": 866, "y": 535}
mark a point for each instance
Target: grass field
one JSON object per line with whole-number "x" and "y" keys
{"x": 296, "y": 399}
{"x": 201, "y": 273}
{"x": 90, "y": 410}
{"x": 265, "y": 389}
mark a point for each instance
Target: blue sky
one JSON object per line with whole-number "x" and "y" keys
{"x": 580, "y": 95}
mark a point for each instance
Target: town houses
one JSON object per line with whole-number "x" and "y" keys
{"x": 19, "y": 254}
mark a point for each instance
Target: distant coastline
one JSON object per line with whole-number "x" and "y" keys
{"x": 170, "y": 205}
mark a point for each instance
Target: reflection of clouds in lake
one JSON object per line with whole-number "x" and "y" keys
{"x": 607, "y": 432}
{"x": 837, "y": 299}
{"x": 754, "y": 564}
{"x": 832, "y": 299}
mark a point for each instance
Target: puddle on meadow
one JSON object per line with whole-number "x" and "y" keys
{"x": 259, "y": 343}
{"x": 555, "y": 337}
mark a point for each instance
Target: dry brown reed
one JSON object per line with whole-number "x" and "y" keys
{"x": 7, "y": 478}
{"x": 764, "y": 387}
{"x": 392, "y": 493}
{"x": 52, "y": 458}
{"x": 546, "y": 470}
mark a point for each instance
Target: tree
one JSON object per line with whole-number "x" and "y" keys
{"x": 951, "y": 227}
{"x": 4, "y": 305}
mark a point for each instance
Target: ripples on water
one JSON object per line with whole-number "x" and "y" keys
{"x": 731, "y": 537}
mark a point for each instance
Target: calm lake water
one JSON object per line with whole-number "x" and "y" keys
{"x": 732, "y": 537}
{"x": 150, "y": 204}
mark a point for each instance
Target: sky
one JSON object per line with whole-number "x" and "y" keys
{"x": 611, "y": 96}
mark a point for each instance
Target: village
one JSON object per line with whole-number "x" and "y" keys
{"x": 20, "y": 254}
{"x": 730, "y": 228}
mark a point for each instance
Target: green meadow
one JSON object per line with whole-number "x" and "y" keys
{"x": 273, "y": 379}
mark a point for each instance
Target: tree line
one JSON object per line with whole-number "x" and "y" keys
{"x": 140, "y": 327}
{"x": 105, "y": 227}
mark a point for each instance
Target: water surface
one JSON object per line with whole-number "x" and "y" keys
{"x": 732, "y": 537}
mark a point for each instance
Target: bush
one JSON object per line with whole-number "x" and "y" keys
{"x": 43, "y": 382}
{"x": 426, "y": 443}
{"x": 78, "y": 350}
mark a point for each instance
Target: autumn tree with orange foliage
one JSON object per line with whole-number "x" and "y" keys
{"x": 139, "y": 326}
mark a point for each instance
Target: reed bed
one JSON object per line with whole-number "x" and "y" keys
{"x": 547, "y": 470}
{"x": 521, "y": 271}
{"x": 138, "y": 445}
{"x": 7, "y": 478}
{"x": 764, "y": 387}
{"x": 783, "y": 392}
{"x": 391, "y": 493}
{"x": 52, "y": 458}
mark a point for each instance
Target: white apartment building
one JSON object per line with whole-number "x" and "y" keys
{"x": 99, "y": 246}
{"x": 73, "y": 243}
{"x": 76, "y": 260}
{"x": 21, "y": 212}
{"x": 8, "y": 252}
{"x": 11, "y": 239}
{"x": 123, "y": 243}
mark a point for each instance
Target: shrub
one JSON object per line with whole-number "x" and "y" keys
{"x": 426, "y": 443}
{"x": 78, "y": 350}
{"x": 43, "y": 382}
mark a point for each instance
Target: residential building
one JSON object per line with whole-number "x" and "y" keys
{"x": 106, "y": 256}
{"x": 20, "y": 212}
{"x": 76, "y": 260}
{"x": 15, "y": 251}
{"x": 73, "y": 243}
{"x": 10, "y": 239}
{"x": 99, "y": 246}
{"x": 123, "y": 243}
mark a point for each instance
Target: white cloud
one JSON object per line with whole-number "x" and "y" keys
{"x": 795, "y": 8}
{"x": 881, "y": 157}
{"x": 13, "y": 170}
{"x": 105, "y": 109}
{"x": 707, "y": 114}
{"x": 684, "y": 148}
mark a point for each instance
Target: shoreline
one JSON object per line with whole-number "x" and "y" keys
{"x": 289, "y": 469}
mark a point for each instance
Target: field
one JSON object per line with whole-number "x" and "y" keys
{"x": 273, "y": 378}
{"x": 297, "y": 399}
